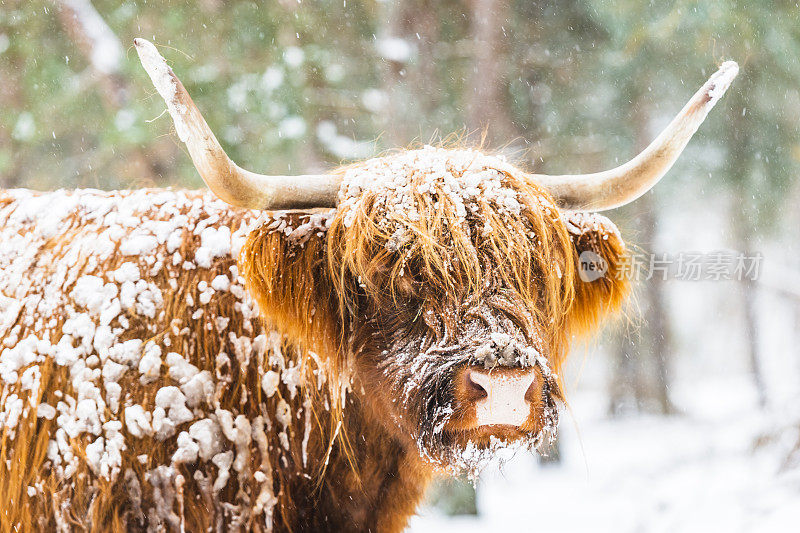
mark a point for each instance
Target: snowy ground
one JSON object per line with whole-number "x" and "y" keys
{"x": 692, "y": 472}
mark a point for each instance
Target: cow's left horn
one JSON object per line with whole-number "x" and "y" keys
{"x": 622, "y": 185}
{"x": 234, "y": 185}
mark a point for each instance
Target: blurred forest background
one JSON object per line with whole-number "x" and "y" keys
{"x": 294, "y": 86}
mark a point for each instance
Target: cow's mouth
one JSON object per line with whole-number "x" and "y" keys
{"x": 488, "y": 435}
{"x": 470, "y": 450}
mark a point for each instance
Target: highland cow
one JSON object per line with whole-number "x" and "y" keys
{"x": 172, "y": 361}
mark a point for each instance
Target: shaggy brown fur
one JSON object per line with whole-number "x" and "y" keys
{"x": 361, "y": 319}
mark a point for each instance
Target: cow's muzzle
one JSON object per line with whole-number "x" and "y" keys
{"x": 502, "y": 396}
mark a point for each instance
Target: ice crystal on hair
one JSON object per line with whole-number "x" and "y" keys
{"x": 117, "y": 323}
{"x": 455, "y": 179}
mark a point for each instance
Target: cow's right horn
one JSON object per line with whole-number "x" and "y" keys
{"x": 621, "y": 185}
{"x": 231, "y": 183}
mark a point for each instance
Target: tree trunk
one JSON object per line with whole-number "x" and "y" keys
{"x": 394, "y": 81}
{"x": 625, "y": 386}
{"x": 797, "y": 333}
{"x": 656, "y": 314}
{"x": 487, "y": 106}
{"x": 749, "y": 292}
{"x": 101, "y": 47}
{"x": 646, "y": 378}
{"x": 740, "y": 150}
{"x": 453, "y": 496}
{"x": 11, "y": 97}
{"x": 412, "y": 87}
{"x": 423, "y": 27}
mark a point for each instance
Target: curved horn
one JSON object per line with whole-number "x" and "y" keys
{"x": 232, "y": 184}
{"x": 627, "y": 182}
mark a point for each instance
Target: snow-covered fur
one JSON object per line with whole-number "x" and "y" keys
{"x": 142, "y": 389}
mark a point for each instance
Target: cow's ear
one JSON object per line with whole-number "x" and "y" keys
{"x": 602, "y": 262}
{"x": 285, "y": 269}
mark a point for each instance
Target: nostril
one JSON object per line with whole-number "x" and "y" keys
{"x": 530, "y": 394}
{"x": 475, "y": 390}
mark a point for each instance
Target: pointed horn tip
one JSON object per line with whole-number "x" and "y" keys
{"x": 167, "y": 84}
{"x": 720, "y": 81}
{"x": 144, "y": 46}
{"x": 727, "y": 65}
{"x": 148, "y": 53}
{"x": 157, "y": 68}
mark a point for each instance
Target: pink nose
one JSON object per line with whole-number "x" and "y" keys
{"x": 501, "y": 396}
